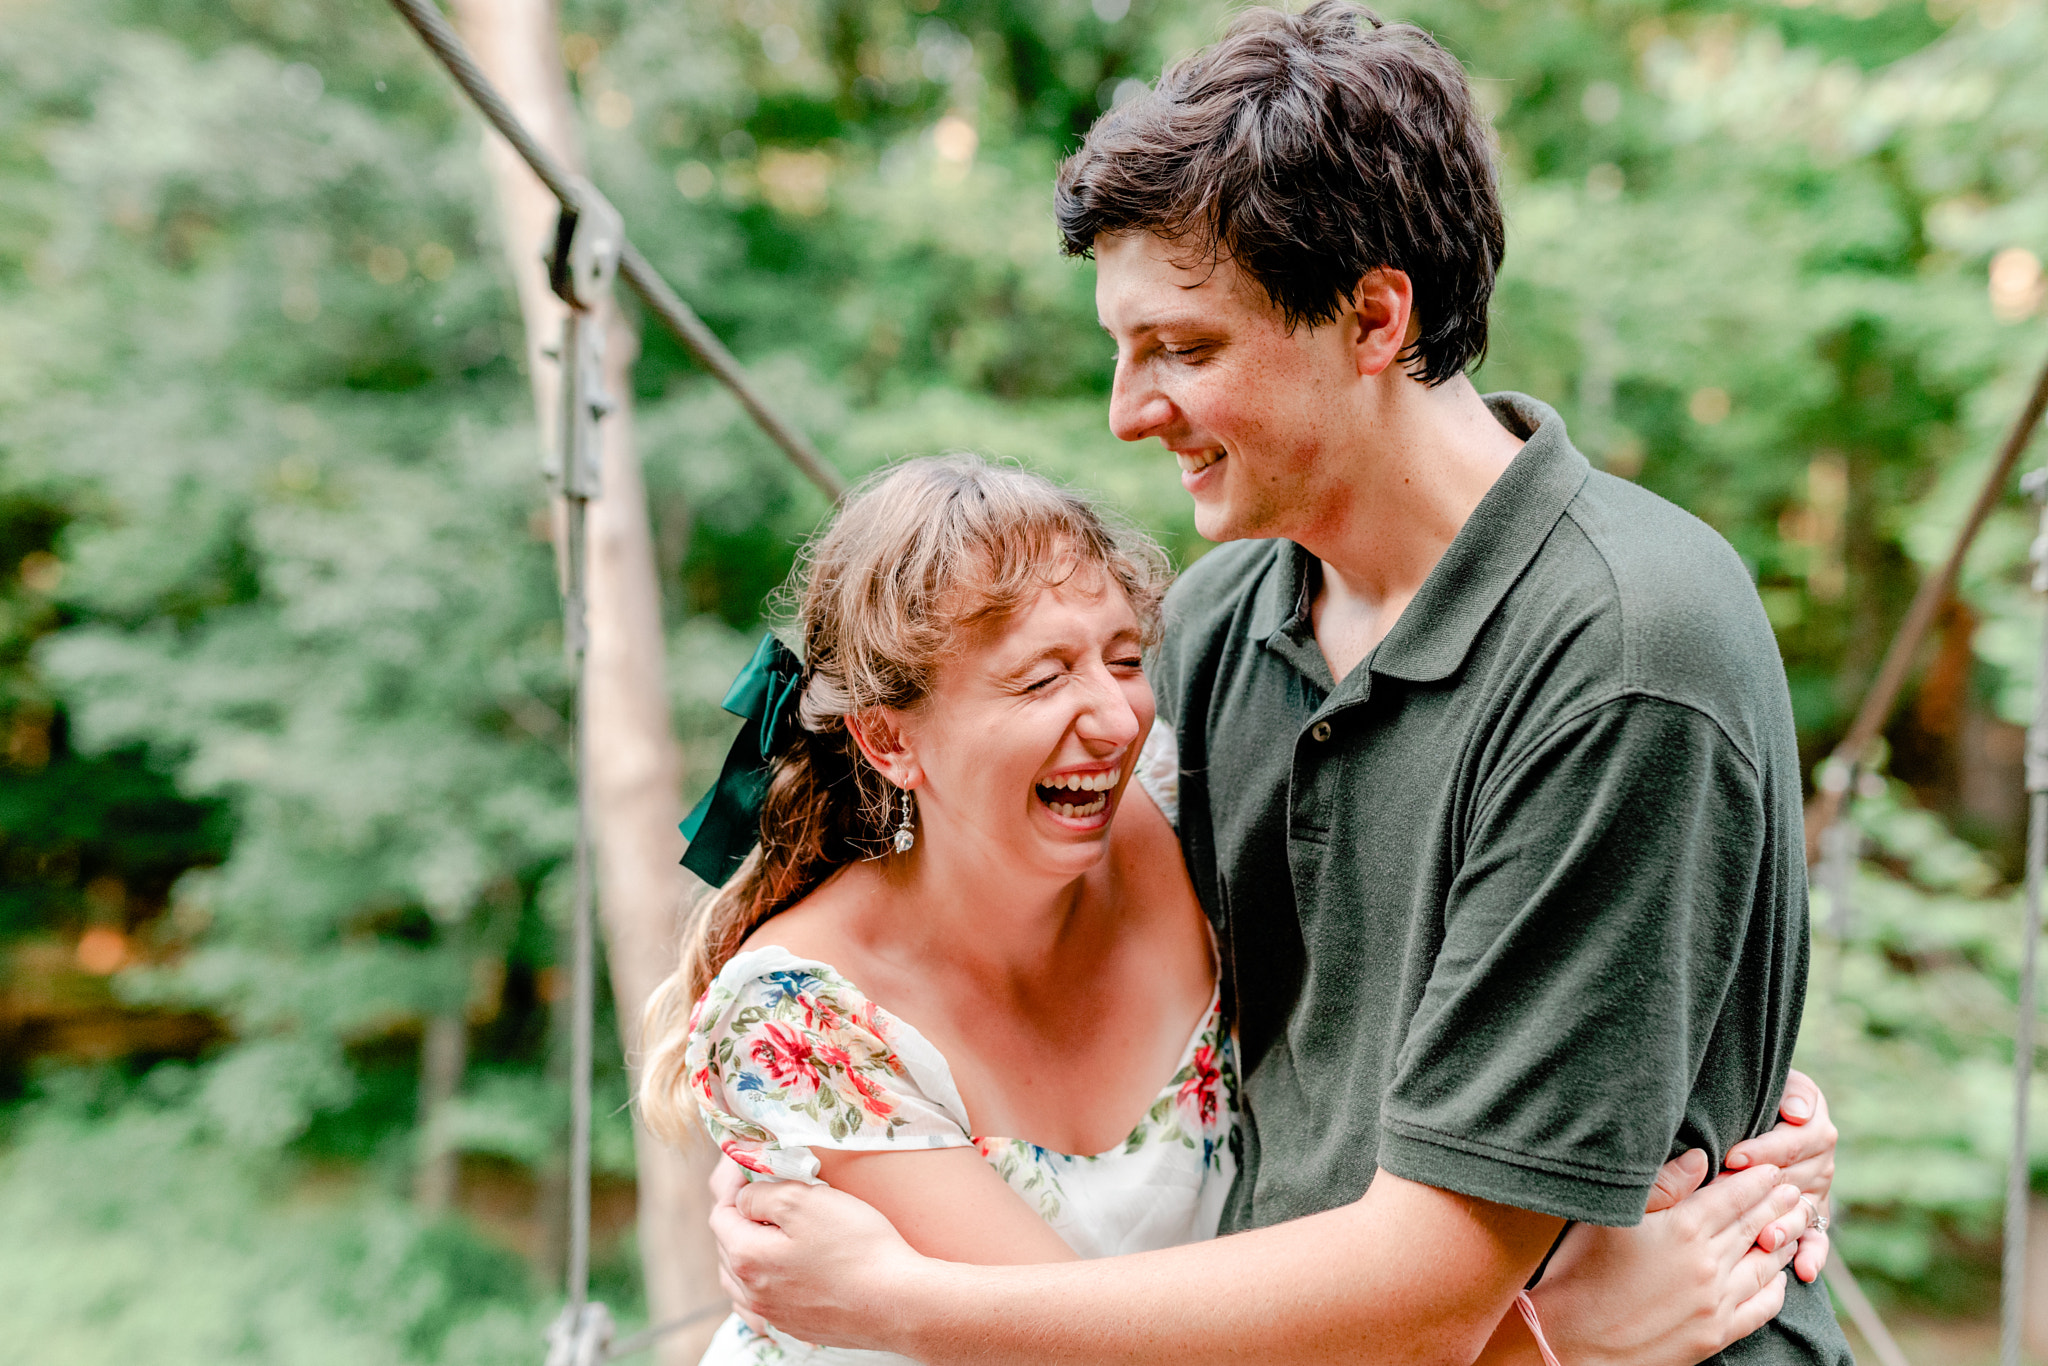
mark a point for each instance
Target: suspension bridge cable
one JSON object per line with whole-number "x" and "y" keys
{"x": 581, "y": 1335}
{"x": 1863, "y": 1314}
{"x": 2019, "y": 1172}
{"x": 703, "y": 344}
{"x": 1837, "y": 774}
{"x": 1839, "y": 767}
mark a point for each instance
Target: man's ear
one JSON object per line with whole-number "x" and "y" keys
{"x": 1383, "y": 312}
{"x": 879, "y": 732}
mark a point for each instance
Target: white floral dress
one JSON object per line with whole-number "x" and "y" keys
{"x": 786, "y": 1056}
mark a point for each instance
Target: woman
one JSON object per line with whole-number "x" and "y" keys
{"x": 951, "y": 837}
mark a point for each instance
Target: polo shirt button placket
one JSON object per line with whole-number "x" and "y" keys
{"x": 1319, "y": 732}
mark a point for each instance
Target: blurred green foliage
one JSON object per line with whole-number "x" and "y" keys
{"x": 280, "y": 678}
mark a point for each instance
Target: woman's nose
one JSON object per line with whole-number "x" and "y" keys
{"x": 1137, "y": 409}
{"x": 1109, "y": 719}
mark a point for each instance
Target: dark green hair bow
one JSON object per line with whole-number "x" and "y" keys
{"x": 727, "y": 823}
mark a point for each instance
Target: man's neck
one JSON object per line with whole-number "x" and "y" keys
{"x": 1433, "y": 455}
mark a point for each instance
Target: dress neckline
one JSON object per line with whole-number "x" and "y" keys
{"x": 923, "y": 1056}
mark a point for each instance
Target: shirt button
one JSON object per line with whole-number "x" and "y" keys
{"x": 1320, "y": 731}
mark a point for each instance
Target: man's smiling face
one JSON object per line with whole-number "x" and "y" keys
{"x": 1261, "y": 418}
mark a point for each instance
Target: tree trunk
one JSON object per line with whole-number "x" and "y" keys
{"x": 635, "y": 767}
{"x": 2035, "y": 1324}
{"x": 443, "y": 1053}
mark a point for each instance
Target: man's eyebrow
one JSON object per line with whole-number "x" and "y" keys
{"x": 1196, "y": 321}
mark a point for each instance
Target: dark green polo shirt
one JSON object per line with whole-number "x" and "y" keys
{"x": 1518, "y": 908}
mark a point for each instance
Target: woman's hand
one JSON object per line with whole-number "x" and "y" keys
{"x": 1689, "y": 1280}
{"x": 1802, "y": 1147}
{"x": 814, "y": 1261}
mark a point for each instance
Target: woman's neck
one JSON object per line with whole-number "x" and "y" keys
{"x": 1006, "y": 931}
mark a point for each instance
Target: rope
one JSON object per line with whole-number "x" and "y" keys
{"x": 647, "y": 1337}
{"x": 703, "y": 344}
{"x": 1527, "y": 1307}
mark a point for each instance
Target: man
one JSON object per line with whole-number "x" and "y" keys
{"x": 1489, "y": 778}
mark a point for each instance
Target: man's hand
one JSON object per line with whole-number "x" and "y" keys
{"x": 1802, "y": 1147}
{"x": 814, "y": 1262}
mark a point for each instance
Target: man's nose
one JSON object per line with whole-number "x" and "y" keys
{"x": 1137, "y": 409}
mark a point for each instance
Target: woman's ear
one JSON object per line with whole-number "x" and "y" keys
{"x": 880, "y": 733}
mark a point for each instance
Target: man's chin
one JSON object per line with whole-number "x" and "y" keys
{"x": 1214, "y": 522}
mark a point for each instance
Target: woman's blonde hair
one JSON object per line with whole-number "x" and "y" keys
{"x": 920, "y": 554}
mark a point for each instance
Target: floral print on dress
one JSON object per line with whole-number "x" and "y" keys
{"x": 786, "y": 1056}
{"x": 1029, "y": 1170}
{"x": 1198, "y": 1106}
{"x": 794, "y": 1057}
{"x": 758, "y": 1349}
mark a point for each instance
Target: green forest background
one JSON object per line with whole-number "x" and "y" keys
{"x": 281, "y": 691}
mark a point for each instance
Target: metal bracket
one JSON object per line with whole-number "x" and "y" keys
{"x": 2034, "y": 483}
{"x": 580, "y": 1335}
{"x": 1835, "y": 775}
{"x": 585, "y": 258}
{"x": 588, "y": 241}
{"x": 581, "y": 266}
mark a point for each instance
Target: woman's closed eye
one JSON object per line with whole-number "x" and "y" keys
{"x": 1042, "y": 682}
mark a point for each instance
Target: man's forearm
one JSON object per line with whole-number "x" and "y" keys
{"x": 1409, "y": 1276}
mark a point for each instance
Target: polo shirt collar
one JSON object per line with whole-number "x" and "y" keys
{"x": 1484, "y": 560}
{"x": 1280, "y": 603}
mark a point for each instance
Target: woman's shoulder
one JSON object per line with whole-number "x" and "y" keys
{"x": 1149, "y": 875}
{"x": 768, "y": 982}
{"x": 819, "y": 925}
{"x": 785, "y": 1055}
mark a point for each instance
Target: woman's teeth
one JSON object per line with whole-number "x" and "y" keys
{"x": 1069, "y": 796}
{"x": 1194, "y": 462}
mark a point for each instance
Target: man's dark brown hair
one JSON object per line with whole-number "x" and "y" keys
{"x": 1310, "y": 148}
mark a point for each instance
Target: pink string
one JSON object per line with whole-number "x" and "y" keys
{"x": 1528, "y": 1308}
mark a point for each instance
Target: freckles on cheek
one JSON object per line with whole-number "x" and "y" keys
{"x": 1230, "y": 419}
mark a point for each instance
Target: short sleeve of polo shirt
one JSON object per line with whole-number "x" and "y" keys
{"x": 1590, "y": 939}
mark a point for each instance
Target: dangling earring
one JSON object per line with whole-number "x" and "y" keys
{"x": 906, "y": 833}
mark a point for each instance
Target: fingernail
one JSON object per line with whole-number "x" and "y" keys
{"x": 1736, "y": 1161}
{"x": 1797, "y": 1107}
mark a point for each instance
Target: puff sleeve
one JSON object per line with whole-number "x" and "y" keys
{"x": 785, "y": 1056}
